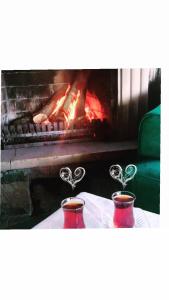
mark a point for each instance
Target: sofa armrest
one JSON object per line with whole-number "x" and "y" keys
{"x": 149, "y": 134}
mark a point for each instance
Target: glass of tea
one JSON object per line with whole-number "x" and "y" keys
{"x": 123, "y": 209}
{"x": 73, "y": 212}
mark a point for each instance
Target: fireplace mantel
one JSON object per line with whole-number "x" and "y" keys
{"x": 62, "y": 154}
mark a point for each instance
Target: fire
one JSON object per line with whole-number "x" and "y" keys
{"x": 61, "y": 101}
{"x": 51, "y": 109}
{"x": 58, "y": 106}
{"x": 72, "y": 107}
{"x": 71, "y": 113}
{"x": 65, "y": 108}
{"x": 93, "y": 108}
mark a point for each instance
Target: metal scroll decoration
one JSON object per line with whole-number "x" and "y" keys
{"x": 72, "y": 179}
{"x": 116, "y": 172}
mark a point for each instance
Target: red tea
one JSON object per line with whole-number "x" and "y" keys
{"x": 73, "y": 214}
{"x": 123, "y": 198}
{"x": 72, "y": 205}
{"x": 123, "y": 212}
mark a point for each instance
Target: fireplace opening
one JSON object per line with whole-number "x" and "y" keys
{"x": 51, "y": 106}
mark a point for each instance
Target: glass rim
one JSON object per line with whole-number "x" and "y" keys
{"x": 67, "y": 200}
{"x": 118, "y": 193}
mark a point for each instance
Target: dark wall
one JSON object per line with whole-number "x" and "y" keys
{"x": 154, "y": 91}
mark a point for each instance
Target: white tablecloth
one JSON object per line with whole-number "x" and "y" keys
{"x": 98, "y": 213}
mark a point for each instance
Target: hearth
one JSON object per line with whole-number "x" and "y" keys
{"x": 42, "y": 107}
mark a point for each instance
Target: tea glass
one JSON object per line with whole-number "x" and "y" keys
{"x": 73, "y": 212}
{"x": 123, "y": 209}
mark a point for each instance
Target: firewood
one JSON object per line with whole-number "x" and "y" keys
{"x": 75, "y": 101}
{"x": 56, "y": 111}
{"x": 78, "y": 85}
{"x": 60, "y": 104}
{"x": 52, "y": 107}
{"x": 71, "y": 96}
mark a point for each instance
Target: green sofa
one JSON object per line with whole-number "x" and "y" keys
{"x": 146, "y": 184}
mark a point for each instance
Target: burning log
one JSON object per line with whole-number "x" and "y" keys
{"x": 53, "y": 107}
{"x": 65, "y": 106}
{"x": 78, "y": 85}
{"x": 74, "y": 105}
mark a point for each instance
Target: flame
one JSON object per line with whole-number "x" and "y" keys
{"x": 93, "y": 107}
{"x": 70, "y": 115}
{"x": 60, "y": 102}
{"x": 44, "y": 117}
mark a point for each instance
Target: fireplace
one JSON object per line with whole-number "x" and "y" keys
{"x": 42, "y": 107}
{"x": 56, "y": 118}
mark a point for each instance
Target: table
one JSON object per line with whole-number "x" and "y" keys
{"x": 98, "y": 212}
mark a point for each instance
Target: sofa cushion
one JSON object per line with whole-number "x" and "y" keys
{"x": 149, "y": 134}
{"x": 146, "y": 185}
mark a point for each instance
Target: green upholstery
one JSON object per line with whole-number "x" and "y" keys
{"x": 149, "y": 134}
{"x": 146, "y": 184}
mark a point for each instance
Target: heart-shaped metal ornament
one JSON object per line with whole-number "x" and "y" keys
{"x": 66, "y": 175}
{"x": 116, "y": 172}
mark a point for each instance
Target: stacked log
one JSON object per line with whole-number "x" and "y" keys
{"x": 59, "y": 105}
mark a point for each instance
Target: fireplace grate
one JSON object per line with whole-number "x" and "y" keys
{"x": 15, "y": 136}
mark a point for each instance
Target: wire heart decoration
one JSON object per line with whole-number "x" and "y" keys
{"x": 72, "y": 179}
{"x": 116, "y": 172}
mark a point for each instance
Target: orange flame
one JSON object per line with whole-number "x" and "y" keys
{"x": 93, "y": 107}
{"x": 60, "y": 102}
{"x": 71, "y": 113}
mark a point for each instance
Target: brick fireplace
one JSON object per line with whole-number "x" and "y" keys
{"x": 43, "y": 107}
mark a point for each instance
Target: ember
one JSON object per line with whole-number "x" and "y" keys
{"x": 93, "y": 108}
